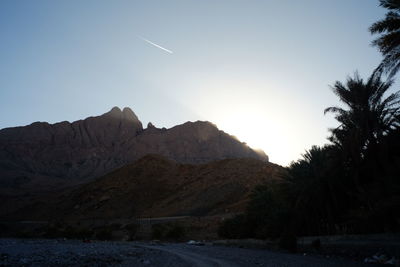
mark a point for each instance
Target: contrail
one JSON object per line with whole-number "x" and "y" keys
{"x": 156, "y": 45}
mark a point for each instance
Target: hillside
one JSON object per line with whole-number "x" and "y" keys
{"x": 154, "y": 186}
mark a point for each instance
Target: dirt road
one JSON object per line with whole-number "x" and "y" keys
{"x": 229, "y": 256}
{"x": 25, "y": 252}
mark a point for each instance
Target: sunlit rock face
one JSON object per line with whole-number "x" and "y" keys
{"x": 85, "y": 149}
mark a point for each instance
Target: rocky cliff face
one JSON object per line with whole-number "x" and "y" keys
{"x": 52, "y": 155}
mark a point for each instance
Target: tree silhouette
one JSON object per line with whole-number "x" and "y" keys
{"x": 389, "y": 41}
{"x": 317, "y": 189}
{"x": 369, "y": 115}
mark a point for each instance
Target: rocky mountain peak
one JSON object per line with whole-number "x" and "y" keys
{"x": 128, "y": 114}
{"x": 115, "y": 112}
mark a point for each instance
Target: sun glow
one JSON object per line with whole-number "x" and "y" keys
{"x": 259, "y": 132}
{"x": 258, "y": 116}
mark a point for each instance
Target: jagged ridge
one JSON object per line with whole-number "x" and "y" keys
{"x": 43, "y": 156}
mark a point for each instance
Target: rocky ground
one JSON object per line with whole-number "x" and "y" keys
{"x": 19, "y": 252}
{"x": 24, "y": 252}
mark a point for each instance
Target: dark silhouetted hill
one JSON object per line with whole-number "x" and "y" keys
{"x": 154, "y": 186}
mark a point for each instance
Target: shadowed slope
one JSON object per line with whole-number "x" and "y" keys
{"x": 154, "y": 186}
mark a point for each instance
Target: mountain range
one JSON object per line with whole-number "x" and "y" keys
{"x": 44, "y": 156}
{"x": 110, "y": 166}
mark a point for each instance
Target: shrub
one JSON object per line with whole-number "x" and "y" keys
{"x": 234, "y": 228}
{"x": 104, "y": 234}
{"x": 24, "y": 234}
{"x": 53, "y": 232}
{"x": 316, "y": 244}
{"x": 267, "y": 213}
{"x": 175, "y": 232}
{"x": 132, "y": 230}
{"x": 77, "y": 233}
{"x": 288, "y": 241}
{"x": 4, "y": 230}
{"x": 157, "y": 231}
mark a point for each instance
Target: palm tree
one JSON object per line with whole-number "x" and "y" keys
{"x": 369, "y": 115}
{"x": 389, "y": 41}
{"x": 317, "y": 189}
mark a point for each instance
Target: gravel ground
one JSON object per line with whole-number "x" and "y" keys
{"x": 20, "y": 252}
{"x": 24, "y": 252}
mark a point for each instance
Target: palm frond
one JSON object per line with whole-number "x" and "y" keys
{"x": 387, "y": 42}
{"x": 390, "y": 4}
{"x": 390, "y": 23}
{"x": 334, "y": 110}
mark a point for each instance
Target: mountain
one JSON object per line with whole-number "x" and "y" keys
{"x": 44, "y": 156}
{"x": 154, "y": 186}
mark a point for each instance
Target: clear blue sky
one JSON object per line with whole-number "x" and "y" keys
{"x": 260, "y": 70}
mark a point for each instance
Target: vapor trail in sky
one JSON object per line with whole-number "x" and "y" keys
{"x": 156, "y": 45}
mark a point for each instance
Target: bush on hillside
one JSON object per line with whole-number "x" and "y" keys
{"x": 132, "y": 229}
{"x": 158, "y": 231}
{"x": 175, "y": 232}
{"x": 234, "y": 228}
